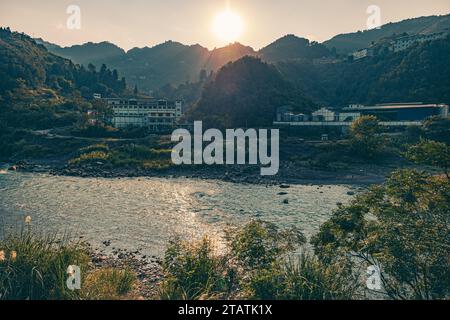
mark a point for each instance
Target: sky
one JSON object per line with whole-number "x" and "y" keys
{"x": 139, "y": 23}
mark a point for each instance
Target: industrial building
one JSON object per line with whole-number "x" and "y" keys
{"x": 392, "y": 114}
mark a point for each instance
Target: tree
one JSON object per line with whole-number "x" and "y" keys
{"x": 431, "y": 153}
{"x": 437, "y": 129}
{"x": 402, "y": 227}
{"x": 365, "y": 133}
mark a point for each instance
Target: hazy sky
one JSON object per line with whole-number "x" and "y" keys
{"x": 138, "y": 23}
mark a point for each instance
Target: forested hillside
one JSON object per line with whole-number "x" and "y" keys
{"x": 41, "y": 90}
{"x": 420, "y": 74}
{"x": 347, "y": 43}
{"x": 246, "y": 93}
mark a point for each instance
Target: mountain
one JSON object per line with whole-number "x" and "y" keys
{"x": 40, "y": 89}
{"x": 221, "y": 56}
{"x": 291, "y": 47}
{"x": 246, "y": 93}
{"x": 421, "y": 73}
{"x": 151, "y": 68}
{"x": 95, "y": 53}
{"x": 347, "y": 43}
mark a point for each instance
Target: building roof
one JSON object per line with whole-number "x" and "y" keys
{"x": 394, "y": 106}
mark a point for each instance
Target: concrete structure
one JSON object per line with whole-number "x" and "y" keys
{"x": 323, "y": 114}
{"x": 357, "y": 55}
{"x": 400, "y": 111}
{"x": 393, "y": 114}
{"x": 155, "y": 114}
{"x": 406, "y": 42}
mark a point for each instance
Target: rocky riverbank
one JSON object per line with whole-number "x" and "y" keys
{"x": 289, "y": 173}
{"x": 148, "y": 269}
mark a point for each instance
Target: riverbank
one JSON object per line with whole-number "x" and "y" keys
{"x": 289, "y": 173}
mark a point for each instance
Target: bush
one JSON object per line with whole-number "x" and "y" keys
{"x": 34, "y": 266}
{"x": 193, "y": 271}
{"x": 402, "y": 226}
{"x": 254, "y": 266}
{"x": 304, "y": 278}
{"x": 108, "y": 284}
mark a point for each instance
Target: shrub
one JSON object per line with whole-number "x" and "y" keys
{"x": 259, "y": 244}
{"x": 193, "y": 271}
{"x": 34, "y": 266}
{"x": 108, "y": 284}
{"x": 304, "y": 278}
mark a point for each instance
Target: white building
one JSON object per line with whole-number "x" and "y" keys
{"x": 324, "y": 114}
{"x": 152, "y": 113}
{"x": 406, "y": 42}
{"x": 357, "y": 55}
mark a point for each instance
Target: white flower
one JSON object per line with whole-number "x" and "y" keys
{"x": 28, "y": 219}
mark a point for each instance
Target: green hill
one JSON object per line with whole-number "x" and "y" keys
{"x": 291, "y": 47}
{"x": 421, "y": 73}
{"x": 246, "y": 93}
{"x": 42, "y": 90}
{"x": 347, "y": 43}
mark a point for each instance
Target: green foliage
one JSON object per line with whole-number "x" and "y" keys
{"x": 437, "y": 129}
{"x": 403, "y": 226}
{"x": 108, "y": 284}
{"x": 193, "y": 271}
{"x": 350, "y": 42}
{"x": 253, "y": 266}
{"x": 417, "y": 74}
{"x": 431, "y": 153}
{"x": 304, "y": 278}
{"x": 246, "y": 93}
{"x": 259, "y": 244}
{"x": 365, "y": 134}
{"x": 291, "y": 47}
{"x": 33, "y": 266}
{"x": 39, "y": 269}
{"x": 123, "y": 155}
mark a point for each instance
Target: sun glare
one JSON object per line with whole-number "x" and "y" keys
{"x": 228, "y": 26}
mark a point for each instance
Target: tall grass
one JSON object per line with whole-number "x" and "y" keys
{"x": 255, "y": 265}
{"x": 33, "y": 266}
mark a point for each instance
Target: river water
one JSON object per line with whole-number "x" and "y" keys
{"x": 144, "y": 213}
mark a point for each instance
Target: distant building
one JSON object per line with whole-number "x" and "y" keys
{"x": 392, "y": 114}
{"x": 152, "y": 113}
{"x": 406, "y": 42}
{"x": 400, "y": 111}
{"x": 357, "y": 55}
{"x": 323, "y": 114}
{"x": 97, "y": 96}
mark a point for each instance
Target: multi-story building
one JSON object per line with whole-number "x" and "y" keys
{"x": 155, "y": 114}
{"x": 404, "y": 43}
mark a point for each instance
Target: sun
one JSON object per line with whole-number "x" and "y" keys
{"x": 228, "y": 26}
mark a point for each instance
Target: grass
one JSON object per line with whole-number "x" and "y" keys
{"x": 33, "y": 266}
{"x": 253, "y": 266}
{"x": 128, "y": 155}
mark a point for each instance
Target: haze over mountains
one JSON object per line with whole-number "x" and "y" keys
{"x": 246, "y": 91}
{"x": 175, "y": 63}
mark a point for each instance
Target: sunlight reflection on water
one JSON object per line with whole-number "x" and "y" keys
{"x": 143, "y": 213}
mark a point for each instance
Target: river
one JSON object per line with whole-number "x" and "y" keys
{"x": 144, "y": 213}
